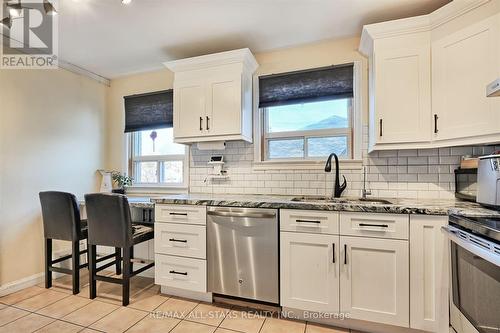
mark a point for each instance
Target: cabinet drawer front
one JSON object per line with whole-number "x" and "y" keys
{"x": 318, "y": 222}
{"x": 374, "y": 225}
{"x": 183, "y": 273}
{"x": 181, "y": 214}
{"x": 181, "y": 240}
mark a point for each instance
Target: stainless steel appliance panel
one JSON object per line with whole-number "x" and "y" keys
{"x": 242, "y": 252}
{"x": 488, "y": 180}
{"x": 475, "y": 285}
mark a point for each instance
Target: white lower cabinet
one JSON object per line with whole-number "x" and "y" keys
{"x": 398, "y": 276}
{"x": 180, "y": 249}
{"x": 374, "y": 280}
{"x": 310, "y": 271}
{"x": 429, "y": 271}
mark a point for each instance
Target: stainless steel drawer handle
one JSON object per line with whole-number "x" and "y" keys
{"x": 179, "y": 273}
{"x": 250, "y": 215}
{"x": 178, "y": 240}
{"x": 308, "y": 221}
{"x": 180, "y": 214}
{"x": 373, "y": 225}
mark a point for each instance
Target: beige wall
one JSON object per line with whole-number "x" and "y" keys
{"x": 52, "y": 126}
{"x": 289, "y": 59}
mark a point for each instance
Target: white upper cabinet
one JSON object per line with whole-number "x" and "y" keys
{"x": 213, "y": 97}
{"x": 464, "y": 62}
{"x": 402, "y": 82}
{"x": 428, "y": 76}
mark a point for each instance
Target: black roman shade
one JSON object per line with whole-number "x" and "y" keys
{"x": 306, "y": 86}
{"x": 148, "y": 111}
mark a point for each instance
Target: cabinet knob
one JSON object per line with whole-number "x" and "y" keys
{"x": 208, "y": 124}
{"x": 201, "y": 123}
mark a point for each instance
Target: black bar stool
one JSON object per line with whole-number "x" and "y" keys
{"x": 61, "y": 220}
{"x": 110, "y": 224}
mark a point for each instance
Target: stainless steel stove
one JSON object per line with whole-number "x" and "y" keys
{"x": 475, "y": 270}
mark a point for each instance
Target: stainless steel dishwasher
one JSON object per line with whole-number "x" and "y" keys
{"x": 243, "y": 253}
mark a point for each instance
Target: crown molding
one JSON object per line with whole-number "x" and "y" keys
{"x": 82, "y": 71}
{"x": 62, "y": 64}
{"x": 422, "y": 23}
{"x": 222, "y": 58}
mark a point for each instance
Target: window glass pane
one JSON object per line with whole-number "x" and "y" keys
{"x": 146, "y": 172}
{"x": 287, "y": 148}
{"x": 309, "y": 116}
{"x": 172, "y": 172}
{"x": 322, "y": 147}
{"x": 158, "y": 142}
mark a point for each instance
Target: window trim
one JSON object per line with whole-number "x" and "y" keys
{"x": 157, "y": 158}
{"x": 355, "y": 139}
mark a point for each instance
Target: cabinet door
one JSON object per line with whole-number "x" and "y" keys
{"x": 374, "y": 280}
{"x": 189, "y": 109}
{"x": 403, "y": 94}
{"x": 429, "y": 283}
{"x": 463, "y": 64}
{"x": 310, "y": 272}
{"x": 223, "y": 109}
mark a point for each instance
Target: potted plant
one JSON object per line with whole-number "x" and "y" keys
{"x": 122, "y": 181}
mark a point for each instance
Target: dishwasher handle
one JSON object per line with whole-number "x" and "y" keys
{"x": 237, "y": 214}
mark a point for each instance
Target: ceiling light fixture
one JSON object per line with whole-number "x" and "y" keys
{"x": 49, "y": 8}
{"x": 15, "y": 10}
{"x": 6, "y": 22}
{"x": 126, "y": 2}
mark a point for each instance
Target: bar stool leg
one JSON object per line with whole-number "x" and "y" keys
{"x": 131, "y": 257}
{"x": 118, "y": 257}
{"x": 92, "y": 272}
{"x": 75, "y": 271}
{"x": 126, "y": 276}
{"x": 88, "y": 255}
{"x": 48, "y": 262}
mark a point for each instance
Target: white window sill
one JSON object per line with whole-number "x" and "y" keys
{"x": 305, "y": 165}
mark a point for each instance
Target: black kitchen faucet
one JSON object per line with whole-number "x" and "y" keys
{"x": 337, "y": 188}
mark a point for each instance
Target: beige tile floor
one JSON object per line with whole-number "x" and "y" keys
{"x": 56, "y": 310}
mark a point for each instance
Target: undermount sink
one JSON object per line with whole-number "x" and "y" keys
{"x": 341, "y": 200}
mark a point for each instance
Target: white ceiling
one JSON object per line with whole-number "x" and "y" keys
{"x": 112, "y": 39}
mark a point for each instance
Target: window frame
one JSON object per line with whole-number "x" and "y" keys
{"x": 355, "y": 138}
{"x": 305, "y": 135}
{"x": 133, "y": 138}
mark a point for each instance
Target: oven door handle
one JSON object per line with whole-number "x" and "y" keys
{"x": 489, "y": 256}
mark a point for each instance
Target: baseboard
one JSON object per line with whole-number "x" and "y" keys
{"x": 17, "y": 285}
{"x": 200, "y": 296}
{"x": 339, "y": 321}
{"x": 34, "y": 279}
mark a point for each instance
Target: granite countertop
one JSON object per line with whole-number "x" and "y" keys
{"x": 397, "y": 206}
{"x": 134, "y": 202}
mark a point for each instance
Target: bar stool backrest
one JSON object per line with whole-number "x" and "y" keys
{"x": 108, "y": 219}
{"x": 61, "y": 215}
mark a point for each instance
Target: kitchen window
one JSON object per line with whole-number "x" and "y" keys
{"x": 154, "y": 159}
{"x": 308, "y": 130}
{"x": 157, "y": 160}
{"x": 304, "y": 116}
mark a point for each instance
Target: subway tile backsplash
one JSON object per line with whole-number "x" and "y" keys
{"x": 422, "y": 173}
